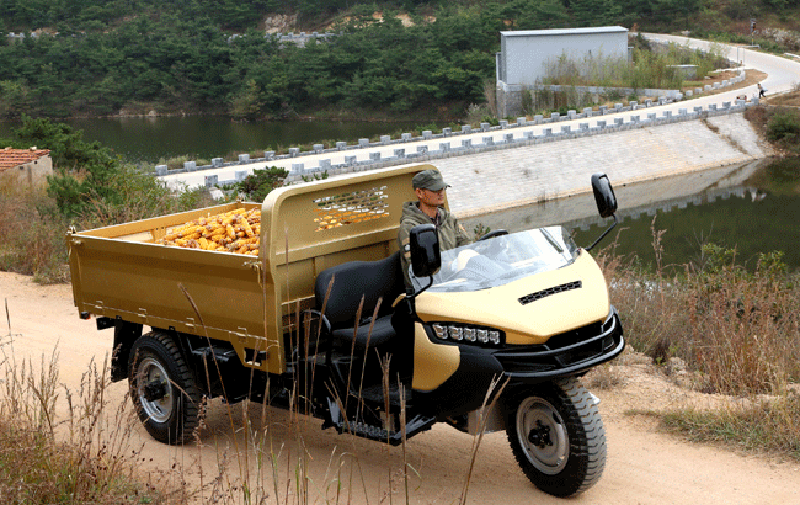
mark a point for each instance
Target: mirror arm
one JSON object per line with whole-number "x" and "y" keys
{"x": 601, "y": 237}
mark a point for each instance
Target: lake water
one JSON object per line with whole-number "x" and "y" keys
{"x": 149, "y": 139}
{"x": 721, "y": 206}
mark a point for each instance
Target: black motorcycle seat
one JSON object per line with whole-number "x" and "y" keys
{"x": 372, "y": 280}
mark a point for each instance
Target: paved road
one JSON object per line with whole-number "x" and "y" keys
{"x": 782, "y": 75}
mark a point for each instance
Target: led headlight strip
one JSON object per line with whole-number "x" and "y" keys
{"x": 468, "y": 334}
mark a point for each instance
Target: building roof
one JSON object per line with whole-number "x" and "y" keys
{"x": 10, "y": 158}
{"x": 565, "y": 31}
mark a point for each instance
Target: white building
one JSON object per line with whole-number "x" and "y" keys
{"x": 526, "y": 58}
{"x": 524, "y": 55}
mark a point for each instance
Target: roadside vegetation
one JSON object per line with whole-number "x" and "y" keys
{"x": 718, "y": 327}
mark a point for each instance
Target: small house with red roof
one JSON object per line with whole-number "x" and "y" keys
{"x": 25, "y": 166}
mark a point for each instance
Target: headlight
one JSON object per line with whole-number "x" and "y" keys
{"x": 469, "y": 334}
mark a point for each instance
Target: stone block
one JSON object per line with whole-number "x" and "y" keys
{"x": 376, "y": 156}
{"x": 538, "y": 119}
{"x": 566, "y": 129}
{"x": 619, "y": 121}
{"x": 712, "y": 107}
{"x": 447, "y": 132}
{"x": 298, "y": 168}
{"x": 508, "y": 138}
{"x": 405, "y": 137}
{"x": 400, "y": 153}
{"x": 572, "y": 114}
{"x": 190, "y": 165}
{"x": 554, "y": 116}
{"x": 667, "y": 114}
{"x": 707, "y": 87}
{"x": 584, "y": 126}
{"x": 698, "y": 91}
{"x": 427, "y": 135}
{"x": 681, "y": 112}
{"x": 362, "y": 143}
{"x": 522, "y": 121}
{"x": 651, "y": 116}
{"x": 341, "y": 146}
{"x": 211, "y": 180}
{"x": 422, "y": 149}
{"x": 444, "y": 146}
{"x": 634, "y": 105}
{"x": 689, "y": 93}
{"x": 488, "y": 141}
{"x": 547, "y": 132}
{"x": 350, "y": 160}
{"x": 635, "y": 118}
{"x": 466, "y": 128}
{"x": 618, "y": 106}
{"x": 529, "y": 135}
{"x": 318, "y": 148}
{"x": 503, "y": 124}
{"x": 601, "y": 124}
{"x": 161, "y": 170}
{"x": 269, "y": 155}
{"x": 244, "y": 158}
{"x": 603, "y": 110}
{"x": 485, "y": 127}
{"x": 240, "y": 175}
{"x": 323, "y": 164}
{"x": 466, "y": 143}
{"x": 698, "y": 108}
{"x": 726, "y": 105}
{"x": 217, "y": 162}
{"x": 294, "y": 152}
{"x": 648, "y": 103}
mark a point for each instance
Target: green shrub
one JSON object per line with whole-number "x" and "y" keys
{"x": 784, "y": 127}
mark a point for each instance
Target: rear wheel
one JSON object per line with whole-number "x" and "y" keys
{"x": 163, "y": 389}
{"x": 557, "y": 437}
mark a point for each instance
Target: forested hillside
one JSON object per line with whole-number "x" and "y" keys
{"x": 99, "y": 57}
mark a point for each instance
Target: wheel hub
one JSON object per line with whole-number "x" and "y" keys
{"x": 542, "y": 435}
{"x": 154, "y": 389}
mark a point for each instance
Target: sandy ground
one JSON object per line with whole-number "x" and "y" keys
{"x": 644, "y": 466}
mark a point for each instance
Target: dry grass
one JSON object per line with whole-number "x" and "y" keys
{"x": 738, "y": 330}
{"x": 33, "y": 235}
{"x": 76, "y": 459}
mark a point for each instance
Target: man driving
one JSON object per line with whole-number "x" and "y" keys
{"x": 428, "y": 209}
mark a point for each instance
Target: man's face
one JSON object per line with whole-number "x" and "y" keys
{"x": 430, "y": 198}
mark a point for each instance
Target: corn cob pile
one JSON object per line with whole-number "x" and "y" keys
{"x": 237, "y": 231}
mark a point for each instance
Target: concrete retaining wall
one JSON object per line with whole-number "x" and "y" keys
{"x": 543, "y": 172}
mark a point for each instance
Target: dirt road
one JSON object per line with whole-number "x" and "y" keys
{"x": 644, "y": 466}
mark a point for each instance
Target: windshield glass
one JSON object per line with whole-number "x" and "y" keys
{"x": 501, "y": 260}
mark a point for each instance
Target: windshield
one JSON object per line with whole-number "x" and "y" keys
{"x": 501, "y": 260}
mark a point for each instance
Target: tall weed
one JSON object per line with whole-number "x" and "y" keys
{"x": 739, "y": 330}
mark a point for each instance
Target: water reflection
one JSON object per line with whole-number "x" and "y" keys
{"x": 722, "y": 206}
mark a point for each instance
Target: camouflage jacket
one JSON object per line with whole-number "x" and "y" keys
{"x": 451, "y": 234}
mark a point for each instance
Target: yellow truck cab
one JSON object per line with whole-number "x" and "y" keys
{"x": 318, "y": 315}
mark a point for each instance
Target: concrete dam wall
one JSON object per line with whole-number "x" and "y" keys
{"x": 508, "y": 178}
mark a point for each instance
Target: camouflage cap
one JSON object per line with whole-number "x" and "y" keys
{"x": 429, "y": 179}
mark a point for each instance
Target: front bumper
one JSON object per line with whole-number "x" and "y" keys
{"x": 568, "y": 354}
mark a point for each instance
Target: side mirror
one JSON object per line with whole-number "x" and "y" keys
{"x": 604, "y": 195}
{"x": 426, "y": 259}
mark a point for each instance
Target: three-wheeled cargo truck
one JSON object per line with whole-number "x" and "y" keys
{"x": 321, "y": 316}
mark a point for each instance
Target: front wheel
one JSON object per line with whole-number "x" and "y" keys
{"x": 557, "y": 437}
{"x": 163, "y": 389}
